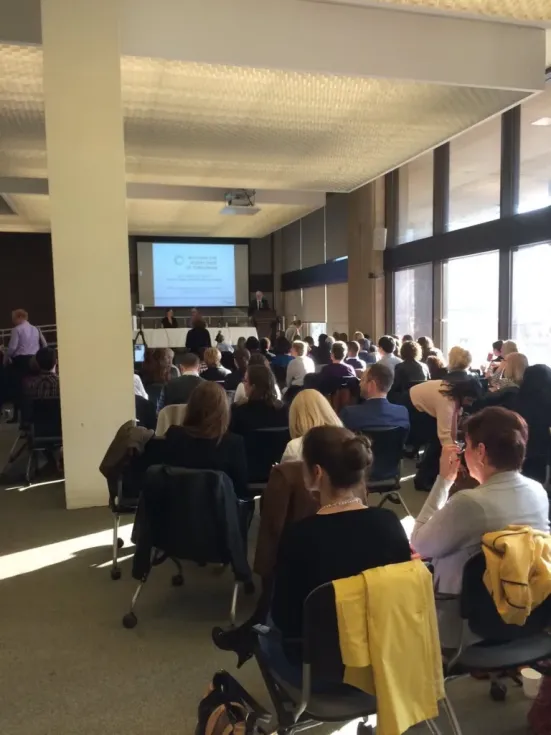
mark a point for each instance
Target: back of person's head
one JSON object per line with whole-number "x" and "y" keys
{"x": 508, "y": 347}
{"x": 410, "y": 351}
{"x": 436, "y": 366}
{"x": 298, "y": 322}
{"x": 343, "y": 337}
{"x": 353, "y": 349}
{"x": 241, "y": 343}
{"x": 497, "y": 437}
{"x": 189, "y": 361}
{"x": 260, "y": 385}
{"x": 207, "y": 413}
{"x": 459, "y": 358}
{"x": 329, "y": 342}
{"x": 46, "y": 359}
{"x": 308, "y": 409}
{"x": 372, "y": 349}
{"x": 497, "y": 346}
{"x": 282, "y": 346}
{"x": 252, "y": 344}
{"x": 380, "y": 375}
{"x": 322, "y": 339}
{"x": 19, "y": 315}
{"x": 338, "y": 454}
{"x": 515, "y": 367}
{"x": 309, "y": 341}
{"x": 407, "y": 338}
{"x": 387, "y": 344}
{"x": 257, "y": 358}
{"x": 212, "y": 357}
{"x": 242, "y": 358}
{"x": 338, "y": 351}
{"x": 265, "y": 344}
{"x": 462, "y": 392}
{"x": 157, "y": 365}
{"x": 536, "y": 386}
{"x": 200, "y": 323}
{"x": 358, "y": 336}
{"x": 300, "y": 348}
{"x": 426, "y": 345}
{"x": 219, "y": 338}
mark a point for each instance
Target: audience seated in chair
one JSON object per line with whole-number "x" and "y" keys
{"x": 44, "y": 384}
{"x": 511, "y": 372}
{"x": 262, "y": 409}
{"x": 156, "y": 372}
{"x": 353, "y": 359}
{"x": 265, "y": 349}
{"x": 338, "y": 368}
{"x": 411, "y": 369}
{"x": 387, "y": 348}
{"x": 300, "y": 366}
{"x": 252, "y": 344}
{"x": 308, "y": 409}
{"x": 427, "y": 345}
{"x": 497, "y": 366}
{"x": 504, "y": 393}
{"x": 146, "y": 413}
{"x": 375, "y": 411}
{"x": 204, "y": 442}
{"x": 241, "y": 358}
{"x": 459, "y": 364}
{"x": 282, "y": 349}
{"x": 449, "y": 531}
{"x": 180, "y": 389}
{"x": 533, "y": 403}
{"x": 322, "y": 353}
{"x": 257, "y": 358}
{"x": 436, "y": 365}
{"x": 221, "y": 343}
{"x": 215, "y": 372}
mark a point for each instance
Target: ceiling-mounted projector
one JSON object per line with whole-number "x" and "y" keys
{"x": 240, "y": 202}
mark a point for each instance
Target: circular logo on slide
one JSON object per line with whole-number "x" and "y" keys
{"x": 178, "y": 260}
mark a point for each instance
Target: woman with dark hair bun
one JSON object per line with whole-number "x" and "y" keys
{"x": 343, "y": 539}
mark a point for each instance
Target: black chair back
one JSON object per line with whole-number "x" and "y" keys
{"x": 227, "y": 361}
{"x": 280, "y": 374}
{"x": 264, "y": 448}
{"x": 134, "y": 474}
{"x": 478, "y": 608}
{"x": 320, "y": 643}
{"x": 387, "y": 445}
{"x": 45, "y": 420}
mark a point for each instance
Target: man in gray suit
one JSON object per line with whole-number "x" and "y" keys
{"x": 178, "y": 391}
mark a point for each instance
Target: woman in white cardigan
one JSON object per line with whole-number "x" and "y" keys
{"x": 449, "y": 530}
{"x": 308, "y": 409}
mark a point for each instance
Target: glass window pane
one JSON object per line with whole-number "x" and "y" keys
{"x": 471, "y": 302}
{"x": 413, "y": 301}
{"x": 415, "y": 206}
{"x": 531, "y": 313}
{"x": 535, "y": 153}
{"x": 475, "y": 164}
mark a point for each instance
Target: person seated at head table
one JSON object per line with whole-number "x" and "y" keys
{"x": 282, "y": 349}
{"x": 262, "y": 410}
{"x": 308, "y": 409}
{"x": 337, "y": 368}
{"x": 436, "y": 365}
{"x": 241, "y": 358}
{"x": 265, "y": 349}
{"x": 212, "y": 357}
{"x": 411, "y": 369}
{"x": 178, "y": 390}
{"x": 169, "y": 320}
{"x": 449, "y": 530}
{"x": 352, "y": 358}
{"x": 342, "y": 540}
{"x": 44, "y": 383}
{"x": 203, "y": 442}
{"x": 221, "y": 343}
{"x": 252, "y": 344}
{"x": 387, "y": 346}
{"x": 198, "y": 337}
{"x": 375, "y": 411}
{"x": 256, "y": 359}
{"x": 300, "y": 366}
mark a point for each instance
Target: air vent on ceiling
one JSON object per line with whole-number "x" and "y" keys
{"x": 5, "y": 207}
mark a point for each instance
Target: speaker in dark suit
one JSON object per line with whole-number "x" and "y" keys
{"x": 259, "y": 303}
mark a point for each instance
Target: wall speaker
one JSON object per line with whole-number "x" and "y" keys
{"x": 379, "y": 238}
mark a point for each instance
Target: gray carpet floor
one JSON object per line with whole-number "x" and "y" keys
{"x": 67, "y": 665}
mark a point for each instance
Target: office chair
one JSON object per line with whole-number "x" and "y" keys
{"x": 264, "y": 448}
{"x": 387, "y": 445}
{"x": 44, "y": 431}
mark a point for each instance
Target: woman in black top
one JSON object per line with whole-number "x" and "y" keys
{"x": 198, "y": 338}
{"x": 343, "y": 539}
{"x": 170, "y": 321}
{"x": 411, "y": 370}
{"x": 533, "y": 403}
{"x": 241, "y": 359}
{"x": 262, "y": 410}
{"x": 203, "y": 442}
{"x": 212, "y": 359}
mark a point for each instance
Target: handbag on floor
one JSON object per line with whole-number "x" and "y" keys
{"x": 223, "y": 710}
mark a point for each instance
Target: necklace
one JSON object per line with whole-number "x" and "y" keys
{"x": 349, "y": 501}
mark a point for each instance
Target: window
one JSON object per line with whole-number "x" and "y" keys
{"x": 535, "y": 153}
{"x": 531, "y": 313}
{"x": 413, "y": 301}
{"x": 475, "y": 165}
{"x": 415, "y": 206}
{"x": 471, "y": 302}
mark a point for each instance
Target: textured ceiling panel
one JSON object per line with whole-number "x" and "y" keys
{"x": 526, "y": 10}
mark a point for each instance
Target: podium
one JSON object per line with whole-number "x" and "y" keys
{"x": 265, "y": 322}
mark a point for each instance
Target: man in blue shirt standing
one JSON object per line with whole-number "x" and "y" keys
{"x": 375, "y": 411}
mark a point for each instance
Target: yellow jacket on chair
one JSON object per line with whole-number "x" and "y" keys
{"x": 389, "y": 642}
{"x": 518, "y": 571}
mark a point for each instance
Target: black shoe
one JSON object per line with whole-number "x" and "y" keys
{"x": 239, "y": 640}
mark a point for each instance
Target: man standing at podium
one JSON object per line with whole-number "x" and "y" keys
{"x": 259, "y": 303}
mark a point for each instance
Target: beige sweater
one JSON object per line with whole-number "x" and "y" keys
{"x": 427, "y": 397}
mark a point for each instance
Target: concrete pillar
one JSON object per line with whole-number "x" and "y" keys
{"x": 86, "y": 171}
{"x": 366, "y": 283}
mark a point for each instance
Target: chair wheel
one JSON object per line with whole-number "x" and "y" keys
{"x": 249, "y": 587}
{"x": 120, "y": 543}
{"x": 177, "y": 580}
{"x": 115, "y": 574}
{"x": 498, "y": 691}
{"x": 364, "y": 729}
{"x": 130, "y": 620}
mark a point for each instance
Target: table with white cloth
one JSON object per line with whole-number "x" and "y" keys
{"x": 177, "y": 337}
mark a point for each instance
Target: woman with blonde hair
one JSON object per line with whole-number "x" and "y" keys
{"x": 212, "y": 358}
{"x": 308, "y": 409}
{"x": 511, "y": 374}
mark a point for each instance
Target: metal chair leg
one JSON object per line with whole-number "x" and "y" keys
{"x": 433, "y": 727}
{"x": 115, "y": 569}
{"x": 130, "y": 620}
{"x": 233, "y": 609}
{"x": 452, "y": 717}
{"x": 30, "y": 463}
{"x": 403, "y": 504}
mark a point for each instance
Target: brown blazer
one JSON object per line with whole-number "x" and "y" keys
{"x": 285, "y": 500}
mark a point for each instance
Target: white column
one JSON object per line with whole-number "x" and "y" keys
{"x": 86, "y": 171}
